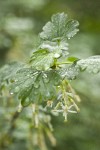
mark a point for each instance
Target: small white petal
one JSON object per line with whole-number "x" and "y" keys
{"x": 72, "y": 111}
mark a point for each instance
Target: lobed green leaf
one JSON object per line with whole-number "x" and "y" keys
{"x": 42, "y": 60}
{"x": 35, "y": 86}
{"x": 60, "y": 27}
{"x": 8, "y": 71}
{"x": 91, "y": 64}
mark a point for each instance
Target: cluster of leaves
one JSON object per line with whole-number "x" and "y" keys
{"x": 44, "y": 82}
{"x": 45, "y": 79}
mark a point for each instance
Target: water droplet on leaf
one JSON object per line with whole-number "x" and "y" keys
{"x": 56, "y": 55}
{"x": 16, "y": 80}
{"x": 11, "y": 93}
{"x": 16, "y": 89}
{"x": 35, "y": 92}
{"x": 46, "y": 80}
{"x": 36, "y": 85}
{"x": 95, "y": 70}
{"x": 25, "y": 102}
{"x": 56, "y": 82}
{"x": 12, "y": 80}
{"x": 35, "y": 73}
{"x": 47, "y": 94}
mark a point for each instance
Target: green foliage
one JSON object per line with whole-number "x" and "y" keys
{"x": 60, "y": 28}
{"x": 7, "y": 72}
{"x": 36, "y": 86}
{"x": 38, "y": 81}
{"x": 39, "y": 58}
{"x": 91, "y": 64}
{"x": 49, "y": 67}
{"x": 45, "y": 80}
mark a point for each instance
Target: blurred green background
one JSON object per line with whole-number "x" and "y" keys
{"x": 20, "y": 23}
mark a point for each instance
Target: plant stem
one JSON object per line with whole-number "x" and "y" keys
{"x": 7, "y": 137}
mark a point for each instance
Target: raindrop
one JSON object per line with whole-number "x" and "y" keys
{"x": 16, "y": 80}
{"x": 95, "y": 70}
{"x": 33, "y": 57}
{"x": 83, "y": 67}
{"x": 91, "y": 63}
{"x": 35, "y": 73}
{"x": 73, "y": 21}
{"x": 73, "y": 77}
{"x": 17, "y": 89}
{"x": 31, "y": 72}
{"x": 12, "y": 80}
{"x": 26, "y": 86}
{"x": 11, "y": 93}
{"x": 35, "y": 92}
{"x": 37, "y": 67}
{"x": 46, "y": 80}
{"x": 45, "y": 75}
{"x": 56, "y": 82}
{"x": 25, "y": 102}
{"x": 56, "y": 55}
{"x": 36, "y": 85}
{"x": 47, "y": 94}
{"x": 46, "y": 66}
